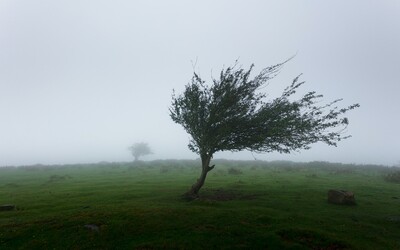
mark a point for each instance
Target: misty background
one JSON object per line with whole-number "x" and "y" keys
{"x": 81, "y": 81}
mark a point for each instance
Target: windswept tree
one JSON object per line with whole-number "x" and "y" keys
{"x": 232, "y": 114}
{"x": 140, "y": 149}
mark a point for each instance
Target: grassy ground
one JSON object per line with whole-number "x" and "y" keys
{"x": 257, "y": 205}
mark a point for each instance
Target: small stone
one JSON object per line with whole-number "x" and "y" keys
{"x": 7, "y": 207}
{"x": 92, "y": 227}
{"x": 394, "y": 218}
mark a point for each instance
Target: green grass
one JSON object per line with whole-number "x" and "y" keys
{"x": 265, "y": 205}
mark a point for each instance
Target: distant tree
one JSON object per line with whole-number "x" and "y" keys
{"x": 140, "y": 149}
{"x": 231, "y": 114}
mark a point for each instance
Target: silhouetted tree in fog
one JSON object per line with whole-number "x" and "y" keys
{"x": 232, "y": 114}
{"x": 140, "y": 149}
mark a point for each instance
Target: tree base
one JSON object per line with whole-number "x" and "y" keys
{"x": 189, "y": 196}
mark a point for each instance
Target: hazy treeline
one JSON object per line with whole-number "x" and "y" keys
{"x": 287, "y": 165}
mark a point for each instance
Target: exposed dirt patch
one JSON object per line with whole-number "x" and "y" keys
{"x": 226, "y": 195}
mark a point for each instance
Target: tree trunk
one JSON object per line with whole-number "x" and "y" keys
{"x": 193, "y": 193}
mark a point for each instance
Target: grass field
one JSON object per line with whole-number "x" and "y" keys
{"x": 244, "y": 205}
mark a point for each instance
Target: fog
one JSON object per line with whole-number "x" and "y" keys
{"x": 81, "y": 81}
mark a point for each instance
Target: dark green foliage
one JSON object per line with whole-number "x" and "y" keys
{"x": 234, "y": 171}
{"x": 232, "y": 114}
{"x": 393, "y": 177}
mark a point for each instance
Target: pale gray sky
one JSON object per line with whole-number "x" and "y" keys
{"x": 80, "y": 81}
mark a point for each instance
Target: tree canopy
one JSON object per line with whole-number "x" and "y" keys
{"x": 140, "y": 149}
{"x": 232, "y": 114}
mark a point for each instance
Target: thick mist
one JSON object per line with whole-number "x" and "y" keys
{"x": 81, "y": 81}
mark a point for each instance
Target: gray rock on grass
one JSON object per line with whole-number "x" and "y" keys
{"x": 92, "y": 227}
{"x": 341, "y": 197}
{"x": 7, "y": 207}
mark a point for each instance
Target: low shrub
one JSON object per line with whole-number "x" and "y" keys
{"x": 164, "y": 170}
{"x": 344, "y": 171}
{"x": 234, "y": 171}
{"x": 393, "y": 177}
{"x": 254, "y": 168}
{"x": 55, "y": 178}
{"x": 311, "y": 176}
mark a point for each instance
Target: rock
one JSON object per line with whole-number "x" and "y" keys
{"x": 7, "y": 207}
{"x": 341, "y": 197}
{"x": 92, "y": 227}
{"x": 394, "y": 218}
